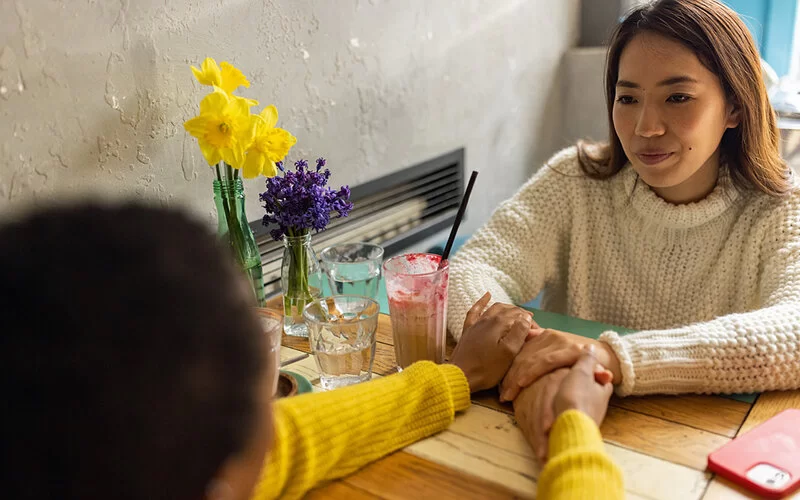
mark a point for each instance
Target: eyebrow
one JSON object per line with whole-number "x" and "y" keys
{"x": 668, "y": 81}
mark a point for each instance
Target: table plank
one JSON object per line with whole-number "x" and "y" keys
{"x": 649, "y": 435}
{"x": 385, "y": 363}
{"x": 715, "y": 414}
{"x": 487, "y": 443}
{"x": 659, "y": 438}
{"x": 338, "y": 490}
{"x": 397, "y": 475}
{"x": 768, "y": 405}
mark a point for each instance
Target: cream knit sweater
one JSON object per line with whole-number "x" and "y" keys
{"x": 714, "y": 286}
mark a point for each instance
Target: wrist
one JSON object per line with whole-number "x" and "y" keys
{"x": 610, "y": 361}
{"x": 471, "y": 377}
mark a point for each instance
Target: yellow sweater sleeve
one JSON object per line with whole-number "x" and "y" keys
{"x": 578, "y": 467}
{"x": 325, "y": 436}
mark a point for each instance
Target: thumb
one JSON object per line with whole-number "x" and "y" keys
{"x": 587, "y": 362}
{"x": 534, "y": 332}
{"x": 602, "y": 375}
{"x": 475, "y": 312}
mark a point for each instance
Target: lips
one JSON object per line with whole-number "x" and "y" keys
{"x": 653, "y": 157}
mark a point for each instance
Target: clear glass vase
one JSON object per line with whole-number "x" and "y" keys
{"x": 301, "y": 282}
{"x": 234, "y": 229}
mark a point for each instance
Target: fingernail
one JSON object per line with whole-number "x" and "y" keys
{"x": 589, "y": 348}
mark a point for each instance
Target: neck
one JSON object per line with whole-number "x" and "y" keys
{"x": 696, "y": 187}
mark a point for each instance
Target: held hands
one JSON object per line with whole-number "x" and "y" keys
{"x": 549, "y": 351}
{"x": 585, "y": 387}
{"x": 490, "y": 340}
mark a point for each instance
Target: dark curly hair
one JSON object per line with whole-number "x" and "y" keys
{"x": 131, "y": 357}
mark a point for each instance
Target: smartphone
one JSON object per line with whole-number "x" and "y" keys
{"x": 765, "y": 460}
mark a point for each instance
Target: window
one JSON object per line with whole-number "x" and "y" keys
{"x": 774, "y": 24}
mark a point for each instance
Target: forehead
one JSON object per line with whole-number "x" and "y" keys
{"x": 650, "y": 57}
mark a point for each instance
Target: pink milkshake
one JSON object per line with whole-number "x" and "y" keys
{"x": 417, "y": 292}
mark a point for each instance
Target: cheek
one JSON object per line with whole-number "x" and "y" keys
{"x": 698, "y": 128}
{"x": 623, "y": 124}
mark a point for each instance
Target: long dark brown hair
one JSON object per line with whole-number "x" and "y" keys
{"x": 723, "y": 44}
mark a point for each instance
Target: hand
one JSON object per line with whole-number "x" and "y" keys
{"x": 533, "y": 409}
{"x": 549, "y": 351}
{"x": 585, "y": 387}
{"x": 490, "y": 341}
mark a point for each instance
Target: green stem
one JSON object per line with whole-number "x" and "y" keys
{"x": 229, "y": 203}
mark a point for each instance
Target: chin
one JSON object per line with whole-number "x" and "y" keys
{"x": 658, "y": 178}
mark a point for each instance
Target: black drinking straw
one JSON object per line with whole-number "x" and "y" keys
{"x": 459, "y": 216}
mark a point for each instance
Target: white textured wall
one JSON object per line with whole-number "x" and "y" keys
{"x": 93, "y": 93}
{"x": 585, "y": 114}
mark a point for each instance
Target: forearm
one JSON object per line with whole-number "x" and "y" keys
{"x": 578, "y": 466}
{"x": 324, "y": 436}
{"x": 504, "y": 259}
{"x": 748, "y": 352}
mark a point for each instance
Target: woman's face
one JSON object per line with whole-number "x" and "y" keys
{"x": 669, "y": 113}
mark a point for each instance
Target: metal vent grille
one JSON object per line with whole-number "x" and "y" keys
{"x": 393, "y": 211}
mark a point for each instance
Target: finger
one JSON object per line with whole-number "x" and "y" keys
{"x": 602, "y": 375}
{"x": 509, "y": 388}
{"x": 476, "y": 310}
{"x": 534, "y": 331}
{"x": 587, "y": 361}
{"x": 515, "y": 337}
{"x": 539, "y": 433}
{"x": 547, "y": 362}
{"x": 608, "y": 389}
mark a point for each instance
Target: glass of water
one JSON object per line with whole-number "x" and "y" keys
{"x": 353, "y": 268}
{"x": 341, "y": 332}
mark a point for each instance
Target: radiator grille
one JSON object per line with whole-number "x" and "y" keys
{"x": 393, "y": 211}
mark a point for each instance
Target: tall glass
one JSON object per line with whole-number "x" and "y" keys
{"x": 417, "y": 292}
{"x": 272, "y": 326}
{"x": 353, "y": 268}
{"x": 341, "y": 332}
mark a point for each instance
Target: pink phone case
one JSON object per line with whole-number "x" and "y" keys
{"x": 766, "y": 460}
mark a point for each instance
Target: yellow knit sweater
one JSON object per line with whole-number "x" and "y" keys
{"x": 578, "y": 467}
{"x": 324, "y": 436}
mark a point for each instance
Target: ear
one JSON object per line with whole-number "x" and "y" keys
{"x": 733, "y": 115}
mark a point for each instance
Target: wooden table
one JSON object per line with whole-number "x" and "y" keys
{"x": 660, "y": 443}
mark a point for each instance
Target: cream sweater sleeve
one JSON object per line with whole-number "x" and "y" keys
{"x": 516, "y": 252}
{"x": 747, "y": 352}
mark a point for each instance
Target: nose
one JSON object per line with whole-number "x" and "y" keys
{"x": 649, "y": 123}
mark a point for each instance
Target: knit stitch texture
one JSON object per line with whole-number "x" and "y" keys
{"x": 714, "y": 286}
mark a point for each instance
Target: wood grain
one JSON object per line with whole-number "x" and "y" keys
{"x": 385, "y": 363}
{"x": 338, "y": 490}
{"x": 487, "y": 443}
{"x": 715, "y": 414}
{"x": 650, "y": 435}
{"x": 400, "y": 474}
{"x": 768, "y": 405}
{"x": 659, "y": 438}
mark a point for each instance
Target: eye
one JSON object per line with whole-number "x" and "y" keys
{"x": 625, "y": 99}
{"x": 679, "y": 98}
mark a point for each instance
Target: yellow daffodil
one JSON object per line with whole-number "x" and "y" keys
{"x": 270, "y": 145}
{"x": 228, "y": 77}
{"x": 224, "y": 127}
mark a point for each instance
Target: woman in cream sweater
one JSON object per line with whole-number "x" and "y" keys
{"x": 684, "y": 226}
